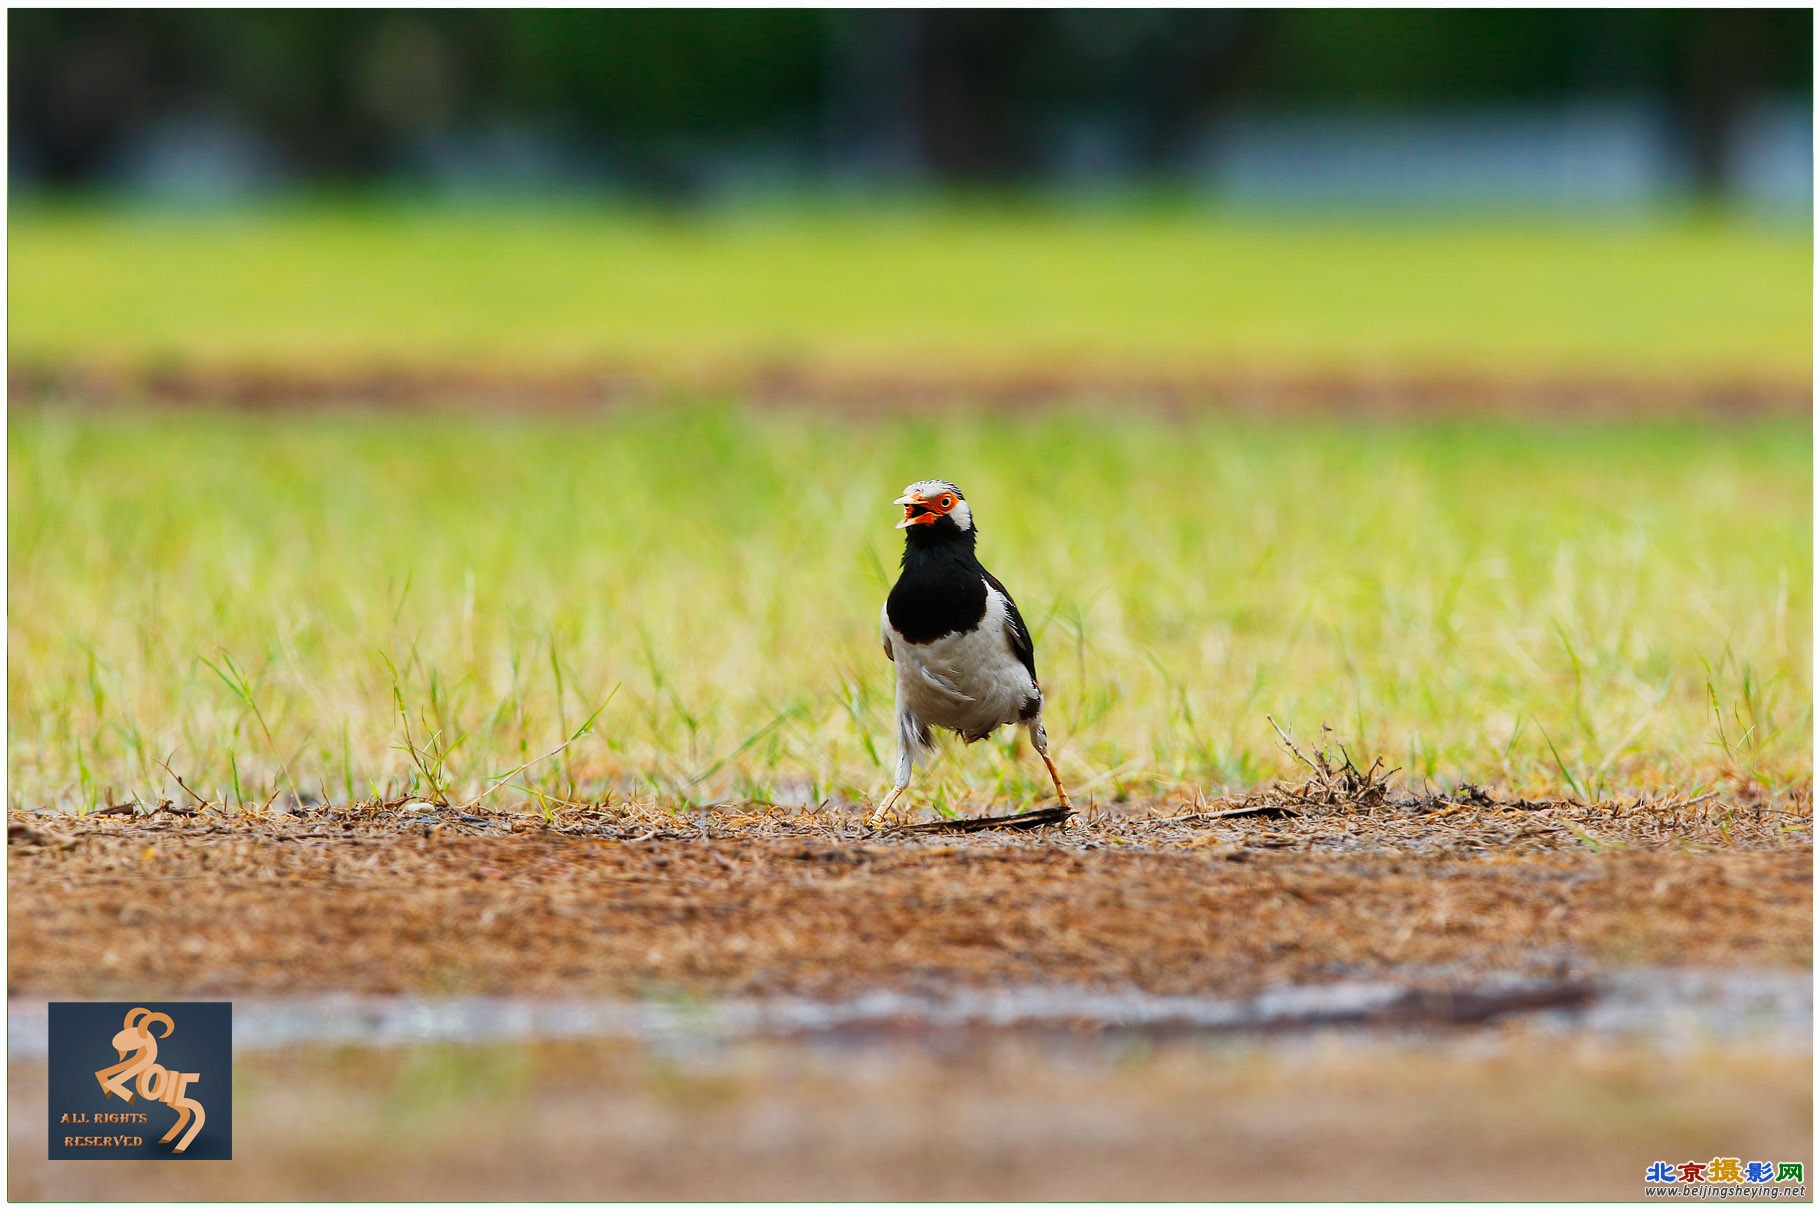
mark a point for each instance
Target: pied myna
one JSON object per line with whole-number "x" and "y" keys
{"x": 963, "y": 654}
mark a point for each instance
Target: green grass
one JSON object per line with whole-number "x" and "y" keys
{"x": 355, "y": 604}
{"x": 881, "y": 288}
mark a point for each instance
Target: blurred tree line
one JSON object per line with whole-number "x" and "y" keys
{"x": 961, "y": 95}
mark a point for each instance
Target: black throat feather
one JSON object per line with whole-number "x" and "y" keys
{"x": 942, "y": 588}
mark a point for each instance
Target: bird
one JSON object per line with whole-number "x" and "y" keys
{"x": 964, "y": 657}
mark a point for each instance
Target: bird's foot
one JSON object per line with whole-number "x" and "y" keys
{"x": 884, "y": 808}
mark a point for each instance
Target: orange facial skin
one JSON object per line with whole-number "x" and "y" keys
{"x": 925, "y": 510}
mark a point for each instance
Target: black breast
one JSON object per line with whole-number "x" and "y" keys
{"x": 942, "y": 590}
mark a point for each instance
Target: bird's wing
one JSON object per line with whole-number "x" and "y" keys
{"x": 1021, "y": 646}
{"x": 884, "y": 631}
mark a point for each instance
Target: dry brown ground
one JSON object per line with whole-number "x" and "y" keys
{"x": 1538, "y": 1117}
{"x": 739, "y": 900}
{"x": 1172, "y": 897}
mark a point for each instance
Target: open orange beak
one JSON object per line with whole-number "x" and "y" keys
{"x": 922, "y": 510}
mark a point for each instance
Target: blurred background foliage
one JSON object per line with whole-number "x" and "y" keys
{"x": 678, "y": 104}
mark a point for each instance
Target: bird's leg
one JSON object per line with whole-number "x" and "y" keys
{"x": 885, "y": 806}
{"x": 1039, "y": 739}
{"x": 1061, "y": 792}
{"x": 904, "y": 761}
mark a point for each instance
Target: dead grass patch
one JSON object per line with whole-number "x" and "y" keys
{"x": 1173, "y": 897}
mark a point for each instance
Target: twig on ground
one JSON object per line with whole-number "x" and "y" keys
{"x": 1029, "y": 819}
{"x": 200, "y": 801}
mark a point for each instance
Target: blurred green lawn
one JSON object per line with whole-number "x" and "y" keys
{"x": 894, "y": 287}
{"x": 1581, "y": 607}
{"x": 1578, "y": 608}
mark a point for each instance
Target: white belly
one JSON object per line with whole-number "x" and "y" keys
{"x": 969, "y": 682}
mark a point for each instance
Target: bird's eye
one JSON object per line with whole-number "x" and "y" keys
{"x": 947, "y": 502}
